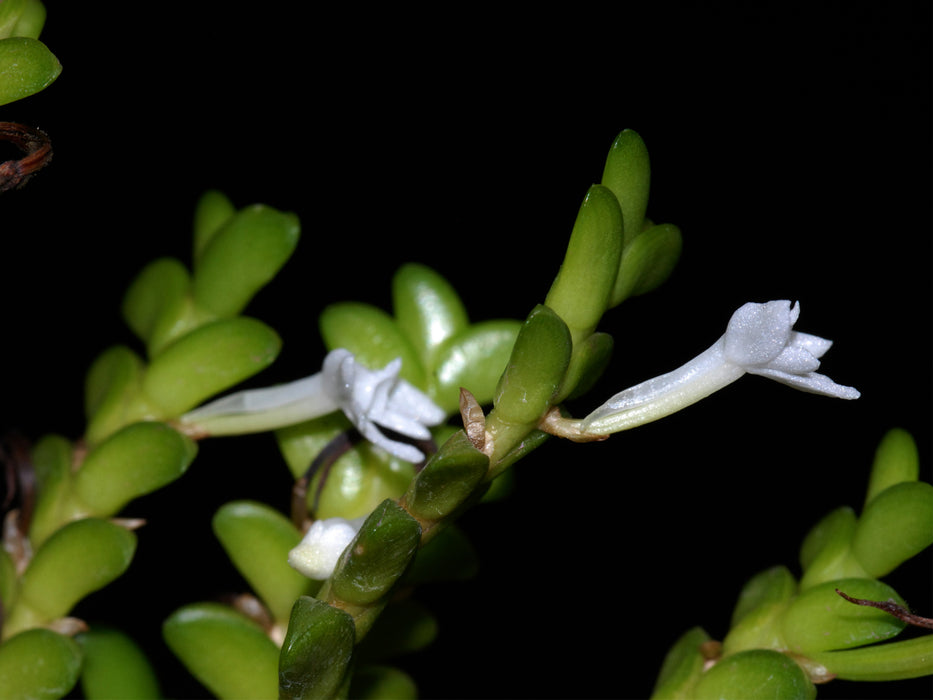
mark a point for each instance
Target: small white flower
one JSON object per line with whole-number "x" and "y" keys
{"x": 374, "y": 399}
{"x": 317, "y": 553}
{"x": 759, "y": 339}
{"x": 371, "y": 399}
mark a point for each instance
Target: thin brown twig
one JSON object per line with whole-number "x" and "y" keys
{"x": 892, "y": 608}
{"x": 36, "y": 146}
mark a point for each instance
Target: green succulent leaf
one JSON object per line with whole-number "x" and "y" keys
{"x": 647, "y": 262}
{"x": 357, "y": 482}
{"x": 317, "y": 651}
{"x": 31, "y": 21}
{"x": 582, "y": 289}
{"x": 758, "y": 673}
{"x": 228, "y": 653}
{"x": 627, "y": 174}
{"x": 115, "y": 667}
{"x": 372, "y": 336}
{"x": 112, "y": 380}
{"x": 819, "y": 619}
{"x": 448, "y": 479}
{"x": 80, "y": 558}
{"x": 10, "y": 12}
{"x": 590, "y": 359}
{"x": 896, "y": 460}
{"x": 682, "y": 666}
{"x": 26, "y": 67}
{"x": 242, "y": 257}
{"x": 38, "y": 664}
{"x": 257, "y": 539}
{"x": 51, "y": 458}
{"x": 909, "y": 658}
{"x": 536, "y": 369}
{"x": 474, "y": 359}
{"x": 212, "y": 211}
{"x": 208, "y": 360}
{"x": 427, "y": 309}
{"x": 156, "y": 305}
{"x": 896, "y": 525}
{"x": 134, "y": 461}
{"x": 826, "y": 552}
{"x": 377, "y": 557}
{"x": 774, "y": 585}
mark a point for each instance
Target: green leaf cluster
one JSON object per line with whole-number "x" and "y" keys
{"x": 794, "y": 632}
{"x": 197, "y": 342}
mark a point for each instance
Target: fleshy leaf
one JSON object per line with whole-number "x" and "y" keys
{"x": 228, "y": 653}
{"x": 427, "y": 309}
{"x": 212, "y": 211}
{"x": 447, "y": 480}
{"x": 758, "y": 673}
{"x": 26, "y": 67}
{"x": 316, "y": 652}
{"x": 80, "y": 558}
{"x": 474, "y": 359}
{"x": 377, "y": 557}
{"x": 209, "y": 360}
{"x": 154, "y": 304}
{"x": 647, "y": 262}
{"x": 257, "y": 539}
{"x": 132, "y": 462}
{"x": 682, "y": 666}
{"x": 896, "y": 525}
{"x": 39, "y": 664}
{"x": 242, "y": 257}
{"x": 627, "y": 174}
{"x": 115, "y": 667}
{"x": 582, "y": 289}
{"x": 819, "y": 619}
{"x": 774, "y": 585}
{"x": 372, "y": 336}
{"x": 896, "y": 460}
{"x": 536, "y": 369}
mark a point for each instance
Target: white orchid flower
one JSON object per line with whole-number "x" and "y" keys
{"x": 759, "y": 339}
{"x": 320, "y": 549}
{"x": 371, "y": 399}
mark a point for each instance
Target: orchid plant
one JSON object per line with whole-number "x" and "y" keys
{"x": 413, "y": 419}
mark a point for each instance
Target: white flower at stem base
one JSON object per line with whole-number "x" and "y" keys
{"x": 371, "y": 399}
{"x": 317, "y": 553}
{"x": 759, "y": 339}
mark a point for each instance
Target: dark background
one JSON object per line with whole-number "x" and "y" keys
{"x": 791, "y": 144}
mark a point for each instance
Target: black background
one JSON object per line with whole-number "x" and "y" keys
{"x": 791, "y": 144}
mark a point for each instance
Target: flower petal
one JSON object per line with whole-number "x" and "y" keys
{"x": 317, "y": 553}
{"x": 814, "y": 344}
{"x": 810, "y": 382}
{"x": 795, "y": 360}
